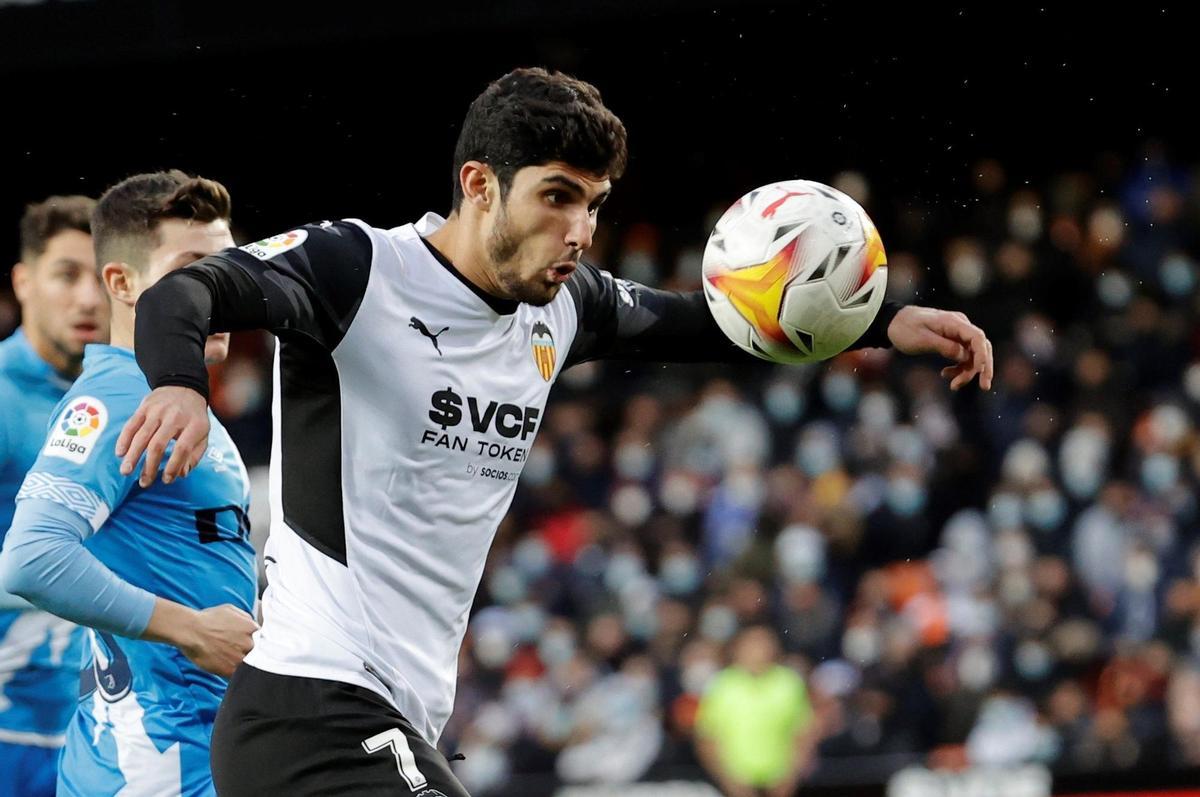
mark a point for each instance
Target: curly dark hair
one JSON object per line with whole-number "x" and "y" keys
{"x": 530, "y": 117}
{"x": 125, "y": 221}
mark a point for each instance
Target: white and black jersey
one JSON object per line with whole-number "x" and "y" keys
{"x": 406, "y": 401}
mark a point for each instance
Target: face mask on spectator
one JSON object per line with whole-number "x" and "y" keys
{"x": 622, "y": 569}
{"x": 634, "y": 461}
{"x": 817, "y": 454}
{"x": 1114, "y": 290}
{"x": 905, "y": 496}
{"x": 1033, "y": 660}
{"x": 506, "y": 585}
{"x": 784, "y": 403}
{"x": 718, "y": 623}
{"x": 1004, "y": 510}
{"x": 861, "y": 644}
{"x": 1045, "y": 509}
{"x": 1083, "y": 461}
{"x": 695, "y": 676}
{"x": 679, "y": 574}
{"x": 1177, "y": 274}
{"x": 1159, "y": 472}
{"x": 556, "y": 647}
{"x": 539, "y": 467}
{"x": 800, "y": 554}
{"x": 840, "y": 391}
{"x": 531, "y": 557}
{"x": 977, "y": 668}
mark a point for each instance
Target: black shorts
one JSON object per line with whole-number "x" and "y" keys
{"x": 303, "y": 737}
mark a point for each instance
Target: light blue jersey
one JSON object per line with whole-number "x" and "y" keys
{"x": 145, "y": 716}
{"x": 39, "y": 653}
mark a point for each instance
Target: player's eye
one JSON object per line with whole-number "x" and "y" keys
{"x": 557, "y": 197}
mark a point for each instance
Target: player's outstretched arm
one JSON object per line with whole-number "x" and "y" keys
{"x": 926, "y": 330}
{"x": 45, "y": 562}
{"x": 621, "y": 319}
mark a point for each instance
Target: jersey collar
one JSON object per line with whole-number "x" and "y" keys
{"x": 498, "y": 305}
{"x": 32, "y": 363}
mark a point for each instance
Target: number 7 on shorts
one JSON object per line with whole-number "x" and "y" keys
{"x": 405, "y": 761}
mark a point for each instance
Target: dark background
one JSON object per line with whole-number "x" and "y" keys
{"x": 341, "y": 109}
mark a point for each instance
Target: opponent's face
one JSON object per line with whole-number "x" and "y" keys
{"x": 542, "y": 227}
{"x": 62, "y": 301}
{"x": 181, "y": 243}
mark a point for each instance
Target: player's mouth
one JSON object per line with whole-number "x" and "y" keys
{"x": 87, "y": 332}
{"x": 560, "y": 272}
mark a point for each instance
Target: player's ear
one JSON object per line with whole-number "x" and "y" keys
{"x": 474, "y": 177}
{"x": 22, "y": 279}
{"x": 120, "y": 282}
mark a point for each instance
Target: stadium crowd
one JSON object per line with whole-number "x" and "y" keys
{"x": 959, "y": 577}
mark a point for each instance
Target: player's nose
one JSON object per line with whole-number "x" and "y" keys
{"x": 579, "y": 236}
{"x": 89, "y": 294}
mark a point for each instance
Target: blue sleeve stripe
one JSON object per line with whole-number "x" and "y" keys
{"x": 68, "y": 493}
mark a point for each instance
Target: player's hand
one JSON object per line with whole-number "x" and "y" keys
{"x": 219, "y": 638}
{"x": 924, "y": 330}
{"x": 168, "y": 413}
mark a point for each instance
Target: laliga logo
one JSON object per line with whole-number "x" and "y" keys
{"x": 81, "y": 420}
{"x": 79, "y": 426}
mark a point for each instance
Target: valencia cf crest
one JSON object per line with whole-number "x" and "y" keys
{"x": 542, "y": 343}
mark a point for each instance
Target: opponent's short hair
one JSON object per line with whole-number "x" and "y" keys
{"x": 530, "y": 117}
{"x": 46, "y": 219}
{"x": 126, "y": 219}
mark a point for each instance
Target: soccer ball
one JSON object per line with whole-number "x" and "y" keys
{"x": 794, "y": 272}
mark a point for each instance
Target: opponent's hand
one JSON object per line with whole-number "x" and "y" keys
{"x": 168, "y": 413}
{"x": 924, "y": 330}
{"x": 219, "y": 638}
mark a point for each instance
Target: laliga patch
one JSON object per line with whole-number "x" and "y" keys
{"x": 268, "y": 248}
{"x": 77, "y": 430}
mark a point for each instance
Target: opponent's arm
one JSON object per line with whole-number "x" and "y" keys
{"x": 45, "y": 562}
{"x": 304, "y": 285}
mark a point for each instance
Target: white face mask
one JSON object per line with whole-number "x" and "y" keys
{"x": 1045, "y": 509}
{"x": 718, "y": 623}
{"x": 1159, "y": 473}
{"x": 1004, "y": 511}
{"x": 679, "y": 574}
{"x": 840, "y": 391}
{"x": 905, "y": 496}
{"x": 695, "y": 676}
{"x": 784, "y": 402}
{"x": 539, "y": 467}
{"x": 862, "y": 645}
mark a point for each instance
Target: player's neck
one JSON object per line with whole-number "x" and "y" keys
{"x": 462, "y": 246}
{"x": 121, "y": 328}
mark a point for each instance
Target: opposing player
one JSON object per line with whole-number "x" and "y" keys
{"x": 62, "y": 310}
{"x": 171, "y": 563}
{"x": 397, "y": 448}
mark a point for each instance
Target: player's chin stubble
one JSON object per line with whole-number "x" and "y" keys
{"x": 502, "y": 249}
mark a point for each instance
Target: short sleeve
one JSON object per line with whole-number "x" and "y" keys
{"x": 77, "y": 466}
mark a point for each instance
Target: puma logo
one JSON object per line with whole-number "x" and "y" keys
{"x": 419, "y": 325}
{"x": 769, "y": 211}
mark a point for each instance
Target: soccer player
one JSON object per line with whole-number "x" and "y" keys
{"x": 171, "y": 563}
{"x": 412, "y": 372}
{"x": 62, "y": 309}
